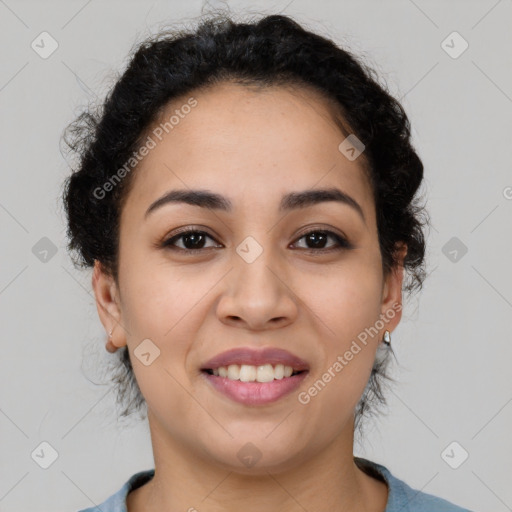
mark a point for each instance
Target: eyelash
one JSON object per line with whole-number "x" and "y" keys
{"x": 342, "y": 243}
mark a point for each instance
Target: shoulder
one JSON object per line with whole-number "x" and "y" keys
{"x": 402, "y": 497}
{"x": 117, "y": 501}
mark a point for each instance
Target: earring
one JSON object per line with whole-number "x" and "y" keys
{"x": 109, "y": 345}
{"x": 387, "y": 338}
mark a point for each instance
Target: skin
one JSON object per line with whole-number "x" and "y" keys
{"x": 252, "y": 147}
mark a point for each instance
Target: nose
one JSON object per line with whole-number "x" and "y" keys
{"x": 258, "y": 295}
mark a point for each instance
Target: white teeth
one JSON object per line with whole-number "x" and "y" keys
{"x": 233, "y": 372}
{"x": 249, "y": 373}
{"x": 265, "y": 373}
{"x": 279, "y": 371}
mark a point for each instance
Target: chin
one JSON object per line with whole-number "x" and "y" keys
{"x": 256, "y": 456}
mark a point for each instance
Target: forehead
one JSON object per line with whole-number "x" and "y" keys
{"x": 249, "y": 144}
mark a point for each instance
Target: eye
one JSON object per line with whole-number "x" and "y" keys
{"x": 318, "y": 238}
{"x": 193, "y": 241}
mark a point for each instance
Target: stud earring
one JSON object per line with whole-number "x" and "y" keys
{"x": 109, "y": 345}
{"x": 387, "y": 338}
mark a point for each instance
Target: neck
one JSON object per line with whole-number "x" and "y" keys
{"x": 328, "y": 481}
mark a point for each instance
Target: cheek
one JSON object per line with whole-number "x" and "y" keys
{"x": 347, "y": 299}
{"x": 155, "y": 296}
{"x": 166, "y": 305}
{"x": 347, "y": 305}
{"x": 163, "y": 305}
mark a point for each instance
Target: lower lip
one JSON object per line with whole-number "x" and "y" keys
{"x": 255, "y": 393}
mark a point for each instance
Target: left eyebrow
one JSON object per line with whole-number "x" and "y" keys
{"x": 290, "y": 201}
{"x": 314, "y": 196}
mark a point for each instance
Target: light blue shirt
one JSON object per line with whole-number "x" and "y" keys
{"x": 401, "y": 497}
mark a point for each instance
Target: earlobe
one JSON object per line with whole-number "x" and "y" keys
{"x": 107, "y": 305}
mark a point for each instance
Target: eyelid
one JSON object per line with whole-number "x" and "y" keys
{"x": 187, "y": 229}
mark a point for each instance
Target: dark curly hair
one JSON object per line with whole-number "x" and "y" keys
{"x": 274, "y": 50}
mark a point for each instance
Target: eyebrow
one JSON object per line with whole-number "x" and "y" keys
{"x": 290, "y": 201}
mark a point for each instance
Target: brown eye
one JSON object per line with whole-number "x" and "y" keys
{"x": 192, "y": 241}
{"x": 316, "y": 240}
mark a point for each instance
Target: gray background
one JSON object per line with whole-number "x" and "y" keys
{"x": 453, "y": 344}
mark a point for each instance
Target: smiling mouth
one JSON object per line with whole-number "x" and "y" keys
{"x": 255, "y": 385}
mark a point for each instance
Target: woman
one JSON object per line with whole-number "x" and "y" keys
{"x": 247, "y": 199}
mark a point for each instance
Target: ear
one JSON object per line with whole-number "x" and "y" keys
{"x": 392, "y": 292}
{"x": 107, "y": 304}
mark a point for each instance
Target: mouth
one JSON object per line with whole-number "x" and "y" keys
{"x": 261, "y": 365}
{"x": 255, "y": 377}
{"x": 254, "y": 392}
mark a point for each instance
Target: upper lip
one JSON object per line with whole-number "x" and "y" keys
{"x": 256, "y": 357}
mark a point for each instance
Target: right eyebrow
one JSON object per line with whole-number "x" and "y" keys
{"x": 201, "y": 198}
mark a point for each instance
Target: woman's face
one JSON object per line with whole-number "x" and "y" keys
{"x": 254, "y": 280}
